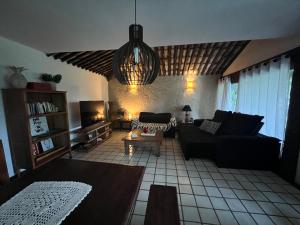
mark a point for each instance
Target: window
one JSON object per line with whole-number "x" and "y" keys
{"x": 233, "y": 95}
{"x": 265, "y": 91}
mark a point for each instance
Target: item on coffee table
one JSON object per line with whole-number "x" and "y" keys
{"x": 148, "y": 134}
{"x": 134, "y": 135}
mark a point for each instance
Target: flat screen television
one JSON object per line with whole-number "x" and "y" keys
{"x": 91, "y": 112}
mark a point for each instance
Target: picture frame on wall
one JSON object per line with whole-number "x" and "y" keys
{"x": 47, "y": 144}
{"x": 38, "y": 126}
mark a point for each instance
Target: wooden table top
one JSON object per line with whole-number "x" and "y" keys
{"x": 157, "y": 138}
{"x": 114, "y": 189}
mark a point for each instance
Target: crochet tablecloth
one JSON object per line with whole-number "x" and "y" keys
{"x": 47, "y": 203}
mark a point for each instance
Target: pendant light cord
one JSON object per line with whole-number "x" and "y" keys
{"x": 135, "y": 12}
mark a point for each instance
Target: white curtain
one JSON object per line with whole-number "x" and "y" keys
{"x": 224, "y": 101}
{"x": 265, "y": 91}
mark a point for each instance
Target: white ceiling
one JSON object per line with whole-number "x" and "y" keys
{"x": 80, "y": 25}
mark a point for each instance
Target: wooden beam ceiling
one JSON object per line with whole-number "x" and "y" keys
{"x": 199, "y": 59}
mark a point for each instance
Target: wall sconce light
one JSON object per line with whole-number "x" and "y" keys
{"x": 133, "y": 88}
{"x": 190, "y": 85}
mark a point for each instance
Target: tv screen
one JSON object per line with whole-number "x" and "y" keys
{"x": 91, "y": 112}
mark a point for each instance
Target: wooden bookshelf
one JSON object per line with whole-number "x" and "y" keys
{"x": 48, "y": 114}
{"x": 18, "y": 119}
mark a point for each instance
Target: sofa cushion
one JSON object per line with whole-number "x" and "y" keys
{"x": 143, "y": 114}
{"x": 164, "y": 117}
{"x": 192, "y": 134}
{"x": 148, "y": 117}
{"x": 204, "y": 125}
{"x": 221, "y": 116}
{"x": 202, "y": 138}
{"x": 241, "y": 124}
{"x": 257, "y": 129}
{"x": 210, "y": 126}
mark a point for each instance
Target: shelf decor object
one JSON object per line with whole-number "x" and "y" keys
{"x": 135, "y": 63}
{"x": 39, "y": 137}
{"x": 52, "y": 79}
{"x": 187, "y": 109}
{"x": 17, "y": 79}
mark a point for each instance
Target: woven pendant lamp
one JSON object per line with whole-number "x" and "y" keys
{"x": 135, "y": 63}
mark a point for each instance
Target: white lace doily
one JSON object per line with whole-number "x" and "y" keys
{"x": 46, "y": 203}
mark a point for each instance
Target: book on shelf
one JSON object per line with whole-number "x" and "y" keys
{"x": 35, "y": 108}
{"x": 35, "y": 149}
{"x": 47, "y": 144}
{"x": 42, "y": 146}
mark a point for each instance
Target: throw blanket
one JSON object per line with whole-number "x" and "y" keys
{"x": 136, "y": 124}
{"x": 47, "y": 203}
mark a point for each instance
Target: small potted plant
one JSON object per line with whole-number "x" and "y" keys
{"x": 52, "y": 79}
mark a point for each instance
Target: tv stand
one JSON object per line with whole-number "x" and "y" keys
{"x": 91, "y": 136}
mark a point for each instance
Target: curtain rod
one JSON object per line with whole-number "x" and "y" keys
{"x": 249, "y": 68}
{"x": 289, "y": 53}
{"x": 265, "y": 62}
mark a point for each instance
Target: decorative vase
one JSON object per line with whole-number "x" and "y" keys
{"x": 17, "y": 79}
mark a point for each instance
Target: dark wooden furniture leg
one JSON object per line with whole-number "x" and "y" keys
{"x": 157, "y": 149}
{"x": 126, "y": 147}
{"x": 121, "y": 125}
{"x": 162, "y": 207}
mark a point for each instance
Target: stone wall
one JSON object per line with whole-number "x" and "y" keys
{"x": 167, "y": 94}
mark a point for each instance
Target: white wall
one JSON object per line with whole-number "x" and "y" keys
{"x": 79, "y": 84}
{"x": 168, "y": 94}
{"x": 259, "y": 50}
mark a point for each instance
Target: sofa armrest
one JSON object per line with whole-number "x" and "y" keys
{"x": 249, "y": 152}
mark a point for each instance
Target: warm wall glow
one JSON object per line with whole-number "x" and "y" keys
{"x": 191, "y": 73}
{"x": 129, "y": 116}
{"x": 99, "y": 116}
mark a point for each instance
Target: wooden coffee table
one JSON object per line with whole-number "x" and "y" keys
{"x": 153, "y": 141}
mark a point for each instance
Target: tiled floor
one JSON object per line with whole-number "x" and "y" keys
{"x": 206, "y": 194}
